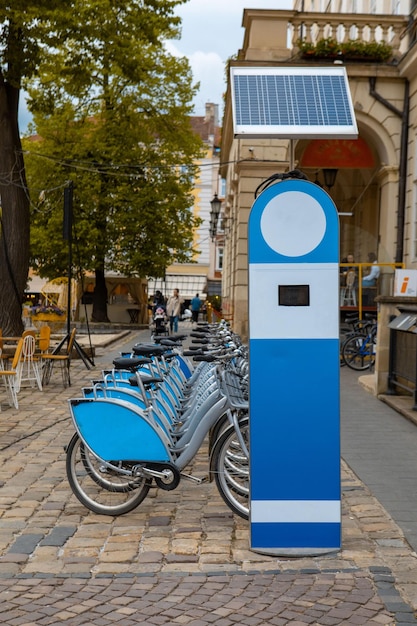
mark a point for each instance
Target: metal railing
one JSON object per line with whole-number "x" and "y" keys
{"x": 362, "y": 298}
{"x": 389, "y": 29}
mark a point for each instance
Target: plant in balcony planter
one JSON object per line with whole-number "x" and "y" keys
{"x": 324, "y": 48}
{"x": 353, "y": 50}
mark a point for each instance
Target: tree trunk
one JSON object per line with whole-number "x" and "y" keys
{"x": 99, "y": 313}
{"x": 14, "y": 214}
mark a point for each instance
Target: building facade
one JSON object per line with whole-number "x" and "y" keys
{"x": 374, "y": 184}
{"x": 200, "y": 275}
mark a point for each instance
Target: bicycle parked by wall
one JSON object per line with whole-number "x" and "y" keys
{"x": 359, "y": 348}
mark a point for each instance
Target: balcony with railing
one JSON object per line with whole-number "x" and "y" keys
{"x": 342, "y": 27}
{"x": 275, "y": 35}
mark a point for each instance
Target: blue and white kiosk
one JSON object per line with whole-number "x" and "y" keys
{"x": 293, "y": 254}
{"x": 294, "y": 370}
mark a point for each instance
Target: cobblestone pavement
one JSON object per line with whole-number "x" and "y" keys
{"x": 181, "y": 557}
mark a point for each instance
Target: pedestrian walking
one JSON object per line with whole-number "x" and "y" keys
{"x": 195, "y": 308}
{"x": 174, "y": 309}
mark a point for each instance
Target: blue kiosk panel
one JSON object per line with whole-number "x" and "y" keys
{"x": 294, "y": 371}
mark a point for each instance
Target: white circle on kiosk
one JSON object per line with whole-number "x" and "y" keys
{"x": 302, "y": 229}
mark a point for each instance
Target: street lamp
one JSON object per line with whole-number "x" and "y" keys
{"x": 216, "y": 205}
{"x": 329, "y": 177}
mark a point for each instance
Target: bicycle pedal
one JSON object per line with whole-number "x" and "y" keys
{"x": 194, "y": 479}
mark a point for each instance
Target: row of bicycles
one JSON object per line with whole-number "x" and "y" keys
{"x": 144, "y": 421}
{"x": 142, "y": 424}
{"x": 358, "y": 345}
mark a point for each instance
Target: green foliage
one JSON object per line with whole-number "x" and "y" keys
{"x": 26, "y": 26}
{"x": 349, "y": 50}
{"x": 112, "y": 109}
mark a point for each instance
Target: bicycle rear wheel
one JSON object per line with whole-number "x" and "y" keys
{"x": 99, "y": 488}
{"x": 230, "y": 466}
{"x": 358, "y": 352}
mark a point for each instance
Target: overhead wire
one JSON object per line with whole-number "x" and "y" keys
{"x": 100, "y": 167}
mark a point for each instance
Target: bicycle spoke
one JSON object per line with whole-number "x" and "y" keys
{"x": 99, "y": 488}
{"x": 358, "y": 352}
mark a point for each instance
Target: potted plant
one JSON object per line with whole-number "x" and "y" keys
{"x": 47, "y": 312}
{"x": 352, "y": 50}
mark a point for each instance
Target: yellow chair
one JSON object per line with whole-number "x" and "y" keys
{"x": 44, "y": 341}
{"x": 10, "y": 376}
{"x": 50, "y": 358}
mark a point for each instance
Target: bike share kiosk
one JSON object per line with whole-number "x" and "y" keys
{"x": 295, "y": 506}
{"x": 293, "y": 251}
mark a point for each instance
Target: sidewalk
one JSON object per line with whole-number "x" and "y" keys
{"x": 182, "y": 557}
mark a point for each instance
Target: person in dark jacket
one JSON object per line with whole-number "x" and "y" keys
{"x": 158, "y": 301}
{"x": 195, "y": 308}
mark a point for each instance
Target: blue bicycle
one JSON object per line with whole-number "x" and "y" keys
{"x": 139, "y": 425}
{"x": 358, "y": 351}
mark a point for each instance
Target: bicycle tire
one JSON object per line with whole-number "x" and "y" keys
{"x": 344, "y": 340}
{"x": 230, "y": 466}
{"x": 103, "y": 491}
{"x": 358, "y": 352}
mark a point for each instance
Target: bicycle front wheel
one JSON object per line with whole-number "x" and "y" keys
{"x": 358, "y": 352}
{"x": 99, "y": 488}
{"x": 230, "y": 465}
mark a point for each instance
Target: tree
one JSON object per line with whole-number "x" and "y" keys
{"x": 112, "y": 111}
{"x": 25, "y": 25}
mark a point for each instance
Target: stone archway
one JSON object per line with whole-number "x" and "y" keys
{"x": 365, "y": 188}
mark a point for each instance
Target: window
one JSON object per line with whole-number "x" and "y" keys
{"x": 395, "y": 7}
{"x": 414, "y": 253}
{"x": 222, "y": 187}
{"x": 219, "y": 257}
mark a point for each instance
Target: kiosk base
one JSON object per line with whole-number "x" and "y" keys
{"x": 294, "y": 552}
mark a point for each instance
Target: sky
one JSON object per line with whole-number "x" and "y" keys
{"x": 211, "y": 33}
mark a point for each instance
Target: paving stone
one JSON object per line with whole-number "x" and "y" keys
{"x": 26, "y": 543}
{"x": 58, "y": 536}
{"x": 181, "y": 557}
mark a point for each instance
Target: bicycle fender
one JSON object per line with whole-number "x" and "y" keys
{"x": 115, "y": 430}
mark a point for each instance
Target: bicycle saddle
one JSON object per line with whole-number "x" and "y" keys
{"x": 147, "y": 381}
{"x": 148, "y": 349}
{"x": 169, "y": 343}
{"x": 177, "y": 338}
{"x": 129, "y": 363}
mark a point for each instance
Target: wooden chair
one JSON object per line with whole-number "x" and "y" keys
{"x": 50, "y": 358}
{"x": 348, "y": 291}
{"x": 10, "y": 375}
{"x": 2, "y": 357}
{"x": 44, "y": 341}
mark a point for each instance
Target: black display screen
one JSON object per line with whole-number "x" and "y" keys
{"x": 294, "y": 295}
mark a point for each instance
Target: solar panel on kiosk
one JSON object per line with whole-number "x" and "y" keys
{"x": 292, "y": 102}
